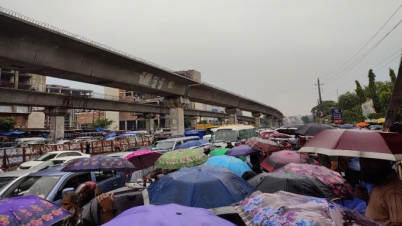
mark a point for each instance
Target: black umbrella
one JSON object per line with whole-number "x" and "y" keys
{"x": 312, "y": 129}
{"x": 291, "y": 182}
{"x": 397, "y": 128}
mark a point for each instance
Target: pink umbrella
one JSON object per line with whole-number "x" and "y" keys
{"x": 281, "y": 158}
{"x": 143, "y": 159}
{"x": 356, "y": 143}
{"x": 280, "y": 135}
{"x": 267, "y": 134}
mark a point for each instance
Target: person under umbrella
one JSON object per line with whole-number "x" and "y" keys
{"x": 71, "y": 202}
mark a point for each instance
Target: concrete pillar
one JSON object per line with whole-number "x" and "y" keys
{"x": 257, "y": 121}
{"x": 16, "y": 79}
{"x": 150, "y": 122}
{"x": 194, "y": 121}
{"x": 275, "y": 122}
{"x": 176, "y": 107}
{"x": 167, "y": 121}
{"x": 232, "y": 115}
{"x": 56, "y": 118}
{"x": 269, "y": 119}
{"x": 56, "y": 127}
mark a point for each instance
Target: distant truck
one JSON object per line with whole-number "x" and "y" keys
{"x": 162, "y": 134}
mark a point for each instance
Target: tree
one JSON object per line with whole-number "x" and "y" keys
{"x": 187, "y": 122}
{"x": 372, "y": 90}
{"x": 360, "y": 93}
{"x": 392, "y": 76}
{"x": 306, "y": 119}
{"x": 264, "y": 121}
{"x": 348, "y": 101}
{"x": 102, "y": 123}
{"x": 326, "y": 108}
{"x": 7, "y": 124}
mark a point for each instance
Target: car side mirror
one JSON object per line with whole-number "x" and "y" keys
{"x": 66, "y": 190}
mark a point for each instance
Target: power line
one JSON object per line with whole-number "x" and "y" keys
{"x": 366, "y": 43}
{"x": 349, "y": 83}
{"x": 358, "y": 60}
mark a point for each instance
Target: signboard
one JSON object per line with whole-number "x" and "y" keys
{"x": 337, "y": 115}
{"x": 368, "y": 108}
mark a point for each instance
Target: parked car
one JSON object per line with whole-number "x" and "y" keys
{"x": 48, "y": 156}
{"x": 125, "y": 152}
{"x": 170, "y": 144}
{"x": 52, "y": 183}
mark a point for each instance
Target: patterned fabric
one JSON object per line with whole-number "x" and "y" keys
{"x": 332, "y": 179}
{"x": 143, "y": 158}
{"x": 180, "y": 159}
{"x": 30, "y": 210}
{"x": 98, "y": 163}
{"x": 264, "y": 145}
{"x": 284, "y": 208}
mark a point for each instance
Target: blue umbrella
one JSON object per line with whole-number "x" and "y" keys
{"x": 200, "y": 186}
{"x": 16, "y": 132}
{"x": 99, "y": 163}
{"x": 191, "y": 143}
{"x": 112, "y": 134}
{"x": 233, "y": 164}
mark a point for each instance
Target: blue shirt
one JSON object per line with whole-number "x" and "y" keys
{"x": 354, "y": 163}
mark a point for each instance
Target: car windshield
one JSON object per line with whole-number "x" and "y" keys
{"x": 35, "y": 185}
{"x": 225, "y": 135}
{"x": 48, "y": 163}
{"x": 46, "y": 157}
{"x": 164, "y": 145}
{"x": 5, "y": 180}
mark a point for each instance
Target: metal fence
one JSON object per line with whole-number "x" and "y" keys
{"x": 13, "y": 157}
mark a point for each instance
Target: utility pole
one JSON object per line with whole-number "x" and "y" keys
{"x": 319, "y": 98}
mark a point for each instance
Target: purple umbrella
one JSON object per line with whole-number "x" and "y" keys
{"x": 168, "y": 215}
{"x": 30, "y": 210}
{"x": 241, "y": 150}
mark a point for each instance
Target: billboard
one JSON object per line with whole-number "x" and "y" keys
{"x": 368, "y": 108}
{"x": 337, "y": 115}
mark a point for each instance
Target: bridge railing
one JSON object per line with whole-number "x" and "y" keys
{"x": 12, "y": 157}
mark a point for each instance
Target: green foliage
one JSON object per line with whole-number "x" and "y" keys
{"x": 326, "y": 108}
{"x": 102, "y": 123}
{"x": 187, "y": 122}
{"x": 348, "y": 101}
{"x": 7, "y": 124}
{"x": 392, "y": 76}
{"x": 360, "y": 93}
{"x": 372, "y": 90}
{"x": 264, "y": 121}
{"x": 306, "y": 119}
{"x": 374, "y": 116}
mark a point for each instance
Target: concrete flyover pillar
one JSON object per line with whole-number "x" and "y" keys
{"x": 176, "y": 107}
{"x": 150, "y": 122}
{"x": 56, "y": 116}
{"x": 257, "y": 119}
{"x": 232, "y": 115}
{"x": 270, "y": 119}
{"x": 193, "y": 120}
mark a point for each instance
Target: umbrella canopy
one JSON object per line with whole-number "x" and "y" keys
{"x": 30, "y": 210}
{"x": 362, "y": 124}
{"x": 357, "y": 143}
{"x": 397, "y": 128}
{"x": 168, "y": 215}
{"x": 234, "y": 164}
{"x": 279, "y": 159}
{"x": 218, "y": 151}
{"x": 292, "y": 182}
{"x": 284, "y": 208}
{"x": 143, "y": 158}
{"x": 241, "y": 150}
{"x": 263, "y": 145}
{"x": 200, "y": 186}
{"x": 99, "y": 163}
{"x": 267, "y": 134}
{"x": 332, "y": 179}
{"x": 12, "y": 133}
{"x": 312, "y": 129}
{"x": 181, "y": 158}
{"x": 191, "y": 143}
{"x": 281, "y": 135}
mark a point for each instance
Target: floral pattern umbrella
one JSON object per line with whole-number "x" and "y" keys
{"x": 264, "y": 145}
{"x": 285, "y": 208}
{"x": 99, "y": 163}
{"x": 181, "y": 158}
{"x": 143, "y": 158}
{"x": 30, "y": 210}
{"x": 334, "y": 180}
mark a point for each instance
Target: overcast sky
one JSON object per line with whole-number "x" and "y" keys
{"x": 270, "y": 51}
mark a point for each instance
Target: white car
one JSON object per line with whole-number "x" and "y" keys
{"x": 50, "y": 155}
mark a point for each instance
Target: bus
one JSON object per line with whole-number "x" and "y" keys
{"x": 233, "y": 133}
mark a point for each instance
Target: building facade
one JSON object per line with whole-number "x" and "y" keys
{"x": 25, "y": 117}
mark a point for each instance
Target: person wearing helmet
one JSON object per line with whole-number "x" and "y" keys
{"x": 86, "y": 191}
